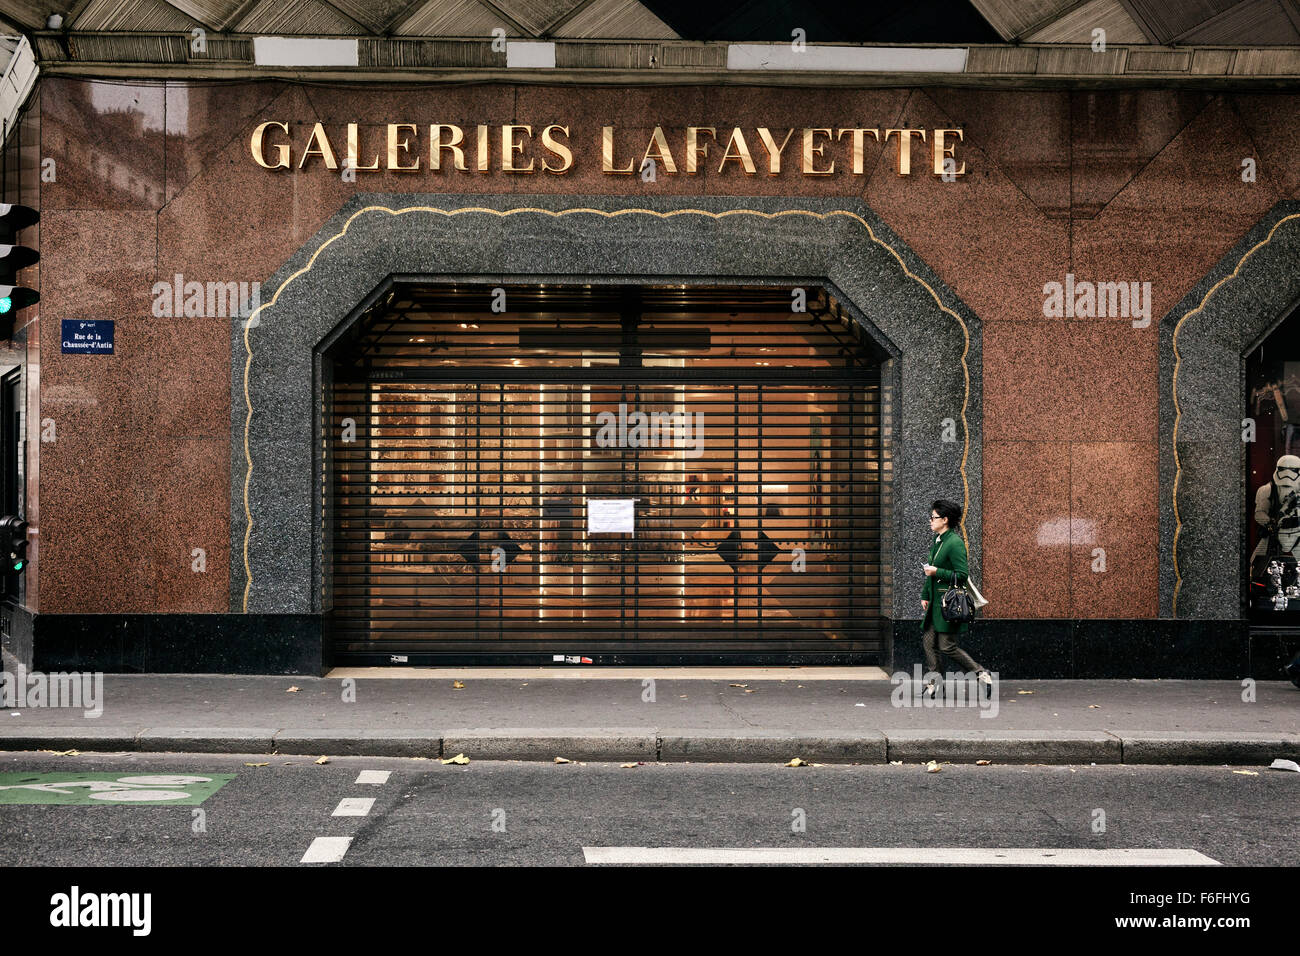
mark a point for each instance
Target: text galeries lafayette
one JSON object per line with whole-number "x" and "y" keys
{"x": 413, "y": 148}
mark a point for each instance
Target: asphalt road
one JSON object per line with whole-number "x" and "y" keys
{"x": 512, "y": 813}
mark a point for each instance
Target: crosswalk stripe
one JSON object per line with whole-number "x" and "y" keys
{"x": 374, "y": 776}
{"x": 327, "y": 850}
{"x": 952, "y": 856}
{"x": 354, "y": 807}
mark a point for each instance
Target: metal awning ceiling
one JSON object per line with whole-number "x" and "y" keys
{"x": 998, "y": 43}
{"x": 1163, "y": 22}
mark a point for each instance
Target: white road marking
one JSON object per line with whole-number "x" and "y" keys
{"x": 354, "y": 807}
{"x": 374, "y": 776}
{"x": 952, "y": 856}
{"x": 326, "y": 850}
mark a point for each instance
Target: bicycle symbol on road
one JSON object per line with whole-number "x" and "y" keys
{"x": 126, "y": 789}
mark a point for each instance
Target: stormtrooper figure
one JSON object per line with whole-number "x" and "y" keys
{"x": 1277, "y": 512}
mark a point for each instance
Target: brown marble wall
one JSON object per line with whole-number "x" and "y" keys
{"x": 154, "y": 181}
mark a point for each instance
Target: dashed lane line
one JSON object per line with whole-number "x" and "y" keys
{"x": 354, "y": 807}
{"x": 327, "y": 850}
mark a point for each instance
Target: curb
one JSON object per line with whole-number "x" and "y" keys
{"x": 683, "y": 746}
{"x": 525, "y": 744}
{"x": 1184, "y": 747}
{"x": 971, "y": 745}
{"x": 712, "y": 747}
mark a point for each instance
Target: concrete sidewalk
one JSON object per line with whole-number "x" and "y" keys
{"x": 540, "y": 717}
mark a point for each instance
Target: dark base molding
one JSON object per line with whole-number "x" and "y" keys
{"x": 1115, "y": 649}
{"x": 179, "y": 643}
{"x": 621, "y": 659}
{"x": 295, "y": 644}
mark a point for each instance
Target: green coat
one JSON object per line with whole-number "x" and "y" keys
{"x": 948, "y": 554}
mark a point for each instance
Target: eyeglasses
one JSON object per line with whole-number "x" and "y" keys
{"x": 936, "y": 517}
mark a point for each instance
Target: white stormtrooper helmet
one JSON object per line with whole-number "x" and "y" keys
{"x": 1286, "y": 475}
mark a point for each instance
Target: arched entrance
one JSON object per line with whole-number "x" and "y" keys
{"x": 283, "y": 358}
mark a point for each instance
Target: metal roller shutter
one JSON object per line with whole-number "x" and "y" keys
{"x": 467, "y": 483}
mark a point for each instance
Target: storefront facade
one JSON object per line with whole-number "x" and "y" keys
{"x": 656, "y": 374}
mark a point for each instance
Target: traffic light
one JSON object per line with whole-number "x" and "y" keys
{"x": 13, "y": 539}
{"x": 14, "y": 218}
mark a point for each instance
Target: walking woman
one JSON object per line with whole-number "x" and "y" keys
{"x": 947, "y": 563}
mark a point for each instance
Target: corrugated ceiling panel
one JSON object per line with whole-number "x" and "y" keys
{"x": 617, "y": 19}
{"x": 213, "y": 13}
{"x": 401, "y": 53}
{"x": 1011, "y": 18}
{"x": 1169, "y": 18}
{"x": 141, "y": 15}
{"x": 296, "y": 18}
{"x": 536, "y": 15}
{"x": 453, "y": 18}
{"x": 604, "y": 56}
{"x": 376, "y": 14}
{"x": 130, "y": 49}
{"x": 1261, "y": 23}
{"x": 1077, "y": 25}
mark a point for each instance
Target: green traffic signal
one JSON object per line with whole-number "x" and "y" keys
{"x": 6, "y": 304}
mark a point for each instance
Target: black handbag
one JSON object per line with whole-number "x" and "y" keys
{"x": 957, "y": 607}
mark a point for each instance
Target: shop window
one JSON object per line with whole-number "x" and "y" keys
{"x": 1273, "y": 478}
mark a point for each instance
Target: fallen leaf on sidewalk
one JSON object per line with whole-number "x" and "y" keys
{"x": 1024, "y": 692}
{"x": 932, "y": 766}
{"x": 457, "y": 685}
{"x": 737, "y": 685}
{"x": 982, "y": 763}
{"x": 796, "y": 762}
{"x": 458, "y": 759}
{"x": 1280, "y": 764}
{"x": 896, "y": 763}
{"x": 62, "y": 753}
{"x": 563, "y": 760}
{"x": 682, "y": 696}
{"x": 1094, "y": 706}
{"x": 323, "y": 760}
{"x": 292, "y": 690}
{"x": 628, "y": 766}
{"x": 1246, "y": 773}
{"x": 257, "y": 765}
{"x": 749, "y": 691}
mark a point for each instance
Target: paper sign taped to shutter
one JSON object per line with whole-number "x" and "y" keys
{"x": 611, "y": 515}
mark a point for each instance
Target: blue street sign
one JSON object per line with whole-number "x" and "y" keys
{"x": 88, "y": 336}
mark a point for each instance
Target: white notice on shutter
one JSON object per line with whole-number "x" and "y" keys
{"x": 611, "y": 515}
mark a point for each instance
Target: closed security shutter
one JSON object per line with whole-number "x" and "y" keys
{"x": 718, "y": 496}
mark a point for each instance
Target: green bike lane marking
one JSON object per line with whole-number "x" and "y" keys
{"x": 99, "y": 789}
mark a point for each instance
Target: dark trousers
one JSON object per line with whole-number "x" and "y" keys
{"x": 947, "y": 646}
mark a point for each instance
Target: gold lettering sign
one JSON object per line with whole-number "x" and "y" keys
{"x": 823, "y": 151}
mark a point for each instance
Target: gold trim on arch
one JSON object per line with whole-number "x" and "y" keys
{"x": 250, "y": 323}
{"x": 1178, "y": 411}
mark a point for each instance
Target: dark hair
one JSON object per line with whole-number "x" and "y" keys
{"x": 948, "y": 509}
